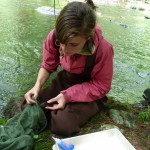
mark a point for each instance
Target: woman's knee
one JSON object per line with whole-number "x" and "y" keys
{"x": 69, "y": 120}
{"x": 62, "y": 125}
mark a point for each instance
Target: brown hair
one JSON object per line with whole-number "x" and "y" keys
{"x": 91, "y": 4}
{"x": 76, "y": 18}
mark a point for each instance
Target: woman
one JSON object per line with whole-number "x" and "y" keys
{"x": 86, "y": 59}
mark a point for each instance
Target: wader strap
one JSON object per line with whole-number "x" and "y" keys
{"x": 90, "y": 62}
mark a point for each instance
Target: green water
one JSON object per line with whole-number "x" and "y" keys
{"x": 132, "y": 51}
{"x": 23, "y": 30}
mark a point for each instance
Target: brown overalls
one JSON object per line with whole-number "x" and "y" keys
{"x": 70, "y": 119}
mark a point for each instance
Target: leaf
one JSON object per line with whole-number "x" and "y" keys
{"x": 36, "y": 136}
{"x": 2, "y": 121}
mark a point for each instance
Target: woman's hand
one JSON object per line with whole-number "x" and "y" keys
{"x": 33, "y": 92}
{"x": 58, "y": 102}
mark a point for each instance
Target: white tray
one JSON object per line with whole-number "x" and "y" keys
{"x": 111, "y": 139}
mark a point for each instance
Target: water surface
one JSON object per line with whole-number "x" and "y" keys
{"x": 23, "y": 30}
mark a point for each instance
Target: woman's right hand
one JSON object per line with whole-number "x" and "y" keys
{"x": 43, "y": 75}
{"x": 32, "y": 93}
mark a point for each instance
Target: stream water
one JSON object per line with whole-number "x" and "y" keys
{"x": 23, "y": 30}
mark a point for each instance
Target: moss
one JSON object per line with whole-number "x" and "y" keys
{"x": 13, "y": 107}
{"x": 144, "y": 115}
{"x": 117, "y": 104}
{"x": 45, "y": 141}
{"x": 2, "y": 121}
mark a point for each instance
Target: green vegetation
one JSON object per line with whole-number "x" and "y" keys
{"x": 2, "y": 121}
{"x": 144, "y": 115}
{"x": 21, "y": 57}
{"x": 138, "y": 137}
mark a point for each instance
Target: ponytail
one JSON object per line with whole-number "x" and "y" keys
{"x": 91, "y": 4}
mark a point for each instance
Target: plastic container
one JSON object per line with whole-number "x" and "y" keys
{"x": 111, "y": 139}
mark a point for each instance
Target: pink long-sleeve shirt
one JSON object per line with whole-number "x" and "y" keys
{"x": 101, "y": 75}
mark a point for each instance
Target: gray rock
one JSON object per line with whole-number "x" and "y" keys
{"x": 123, "y": 117}
{"x": 147, "y": 17}
{"x": 115, "y": 116}
{"x": 108, "y": 126}
{"x": 13, "y": 107}
{"x": 45, "y": 10}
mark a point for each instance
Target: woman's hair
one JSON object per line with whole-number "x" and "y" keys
{"x": 91, "y": 4}
{"x": 76, "y": 18}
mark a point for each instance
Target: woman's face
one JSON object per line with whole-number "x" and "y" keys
{"x": 73, "y": 46}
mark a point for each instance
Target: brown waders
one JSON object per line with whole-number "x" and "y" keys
{"x": 70, "y": 119}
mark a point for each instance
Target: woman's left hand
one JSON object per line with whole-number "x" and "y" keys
{"x": 58, "y": 102}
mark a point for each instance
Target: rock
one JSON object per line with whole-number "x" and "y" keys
{"x": 147, "y": 17}
{"x": 129, "y": 120}
{"x": 115, "y": 116}
{"x": 123, "y": 25}
{"x": 146, "y": 94}
{"x": 47, "y": 11}
{"x": 108, "y": 126}
{"x": 123, "y": 117}
{"x": 13, "y": 107}
{"x": 143, "y": 74}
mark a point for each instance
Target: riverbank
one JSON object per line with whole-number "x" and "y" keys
{"x": 138, "y": 136}
{"x": 21, "y": 47}
{"x": 133, "y": 122}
